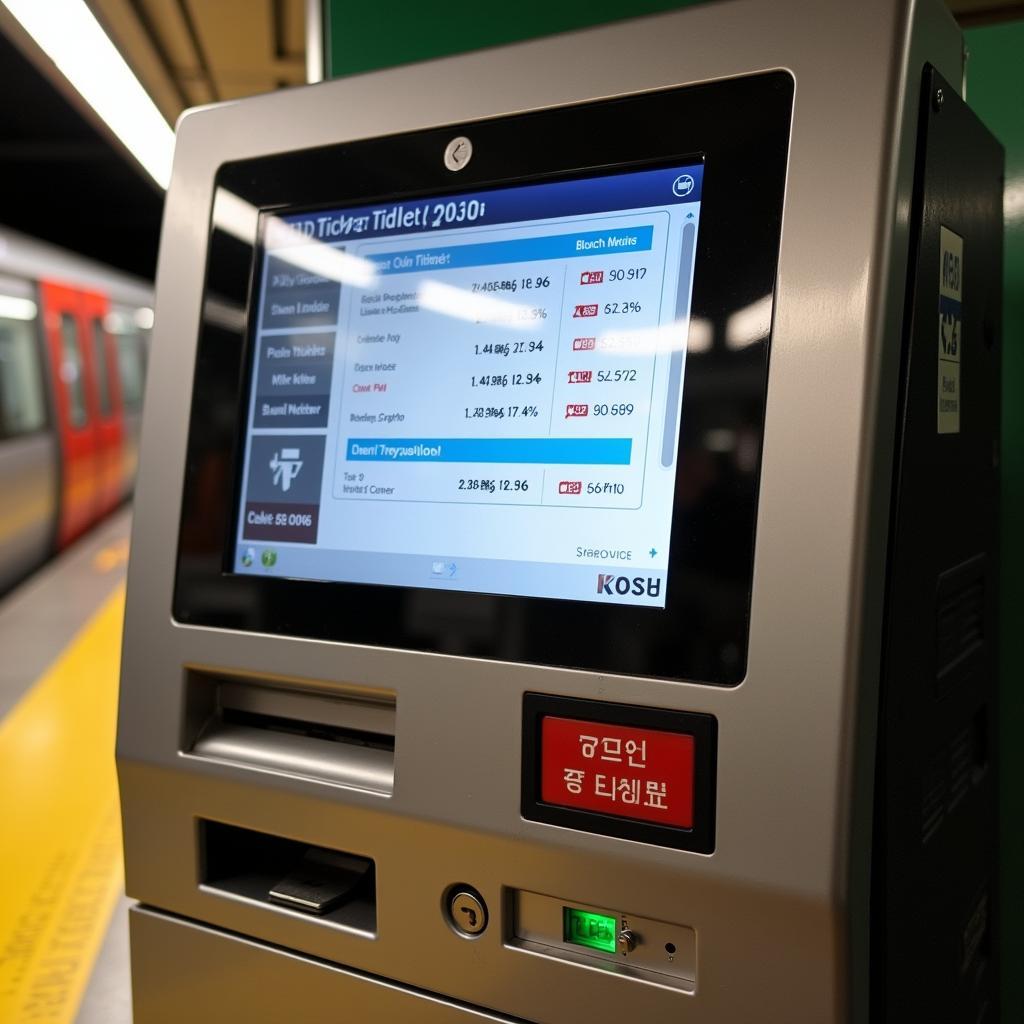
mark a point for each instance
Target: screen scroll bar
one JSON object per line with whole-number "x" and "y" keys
{"x": 675, "y": 366}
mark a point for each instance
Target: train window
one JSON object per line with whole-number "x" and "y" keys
{"x": 72, "y": 370}
{"x": 133, "y": 371}
{"x": 99, "y": 348}
{"x": 22, "y": 402}
{"x": 131, "y": 357}
{"x": 128, "y": 328}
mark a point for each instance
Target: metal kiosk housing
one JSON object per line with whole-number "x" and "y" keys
{"x": 867, "y": 698}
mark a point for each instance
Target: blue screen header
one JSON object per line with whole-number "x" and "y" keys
{"x": 667, "y": 186}
{"x": 516, "y": 250}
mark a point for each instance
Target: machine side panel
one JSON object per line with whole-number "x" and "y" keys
{"x": 935, "y": 868}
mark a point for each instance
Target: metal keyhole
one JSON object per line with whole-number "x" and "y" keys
{"x": 467, "y": 912}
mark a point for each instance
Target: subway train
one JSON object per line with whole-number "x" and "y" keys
{"x": 73, "y": 349}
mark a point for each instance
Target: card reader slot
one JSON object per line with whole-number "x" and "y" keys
{"x": 342, "y": 740}
{"x": 327, "y": 885}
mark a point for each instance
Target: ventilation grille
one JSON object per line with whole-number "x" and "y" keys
{"x": 960, "y": 624}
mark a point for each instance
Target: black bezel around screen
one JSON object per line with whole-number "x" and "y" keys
{"x": 741, "y": 129}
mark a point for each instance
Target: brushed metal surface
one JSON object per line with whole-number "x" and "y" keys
{"x": 662, "y": 953}
{"x": 216, "y": 978}
{"x": 366, "y": 715}
{"x": 357, "y": 767}
{"x": 780, "y": 908}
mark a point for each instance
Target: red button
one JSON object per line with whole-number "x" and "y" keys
{"x": 645, "y": 774}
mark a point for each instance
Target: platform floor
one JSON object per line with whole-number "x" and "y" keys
{"x": 63, "y": 915}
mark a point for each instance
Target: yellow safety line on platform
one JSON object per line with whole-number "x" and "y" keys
{"x": 60, "y": 831}
{"x": 113, "y": 556}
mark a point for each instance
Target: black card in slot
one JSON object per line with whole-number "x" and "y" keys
{"x": 321, "y": 881}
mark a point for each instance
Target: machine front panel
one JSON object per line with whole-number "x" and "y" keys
{"x": 531, "y": 388}
{"x": 501, "y": 795}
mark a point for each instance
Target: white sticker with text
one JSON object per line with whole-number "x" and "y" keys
{"x": 951, "y": 268}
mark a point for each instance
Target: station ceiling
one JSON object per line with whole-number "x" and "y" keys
{"x": 188, "y": 52}
{"x": 65, "y": 179}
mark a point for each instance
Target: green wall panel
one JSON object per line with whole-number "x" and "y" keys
{"x": 366, "y": 37}
{"x": 995, "y": 89}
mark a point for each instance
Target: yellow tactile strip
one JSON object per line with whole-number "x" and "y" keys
{"x": 60, "y": 835}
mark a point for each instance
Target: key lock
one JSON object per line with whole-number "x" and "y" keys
{"x": 626, "y": 940}
{"x": 467, "y": 912}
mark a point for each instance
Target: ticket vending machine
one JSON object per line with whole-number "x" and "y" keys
{"x": 564, "y": 566}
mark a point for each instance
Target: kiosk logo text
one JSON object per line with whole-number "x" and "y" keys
{"x": 609, "y": 583}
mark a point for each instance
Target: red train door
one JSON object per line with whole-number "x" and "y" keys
{"x": 109, "y": 406}
{"x": 75, "y": 408}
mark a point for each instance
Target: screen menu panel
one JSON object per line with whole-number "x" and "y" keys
{"x": 478, "y": 392}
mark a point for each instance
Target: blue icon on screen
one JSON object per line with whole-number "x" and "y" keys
{"x": 683, "y": 185}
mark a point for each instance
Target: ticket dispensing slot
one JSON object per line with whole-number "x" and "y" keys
{"x": 347, "y": 739}
{"x": 333, "y": 886}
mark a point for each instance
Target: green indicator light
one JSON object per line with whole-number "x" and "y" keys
{"x": 582, "y": 928}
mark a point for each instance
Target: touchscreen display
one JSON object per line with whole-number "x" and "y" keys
{"x": 477, "y": 392}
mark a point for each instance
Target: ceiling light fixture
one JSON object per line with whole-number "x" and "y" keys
{"x": 67, "y": 32}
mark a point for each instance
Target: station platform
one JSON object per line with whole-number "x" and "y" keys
{"x": 63, "y": 914}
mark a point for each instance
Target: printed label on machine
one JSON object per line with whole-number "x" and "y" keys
{"x": 951, "y": 268}
{"x": 645, "y": 774}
